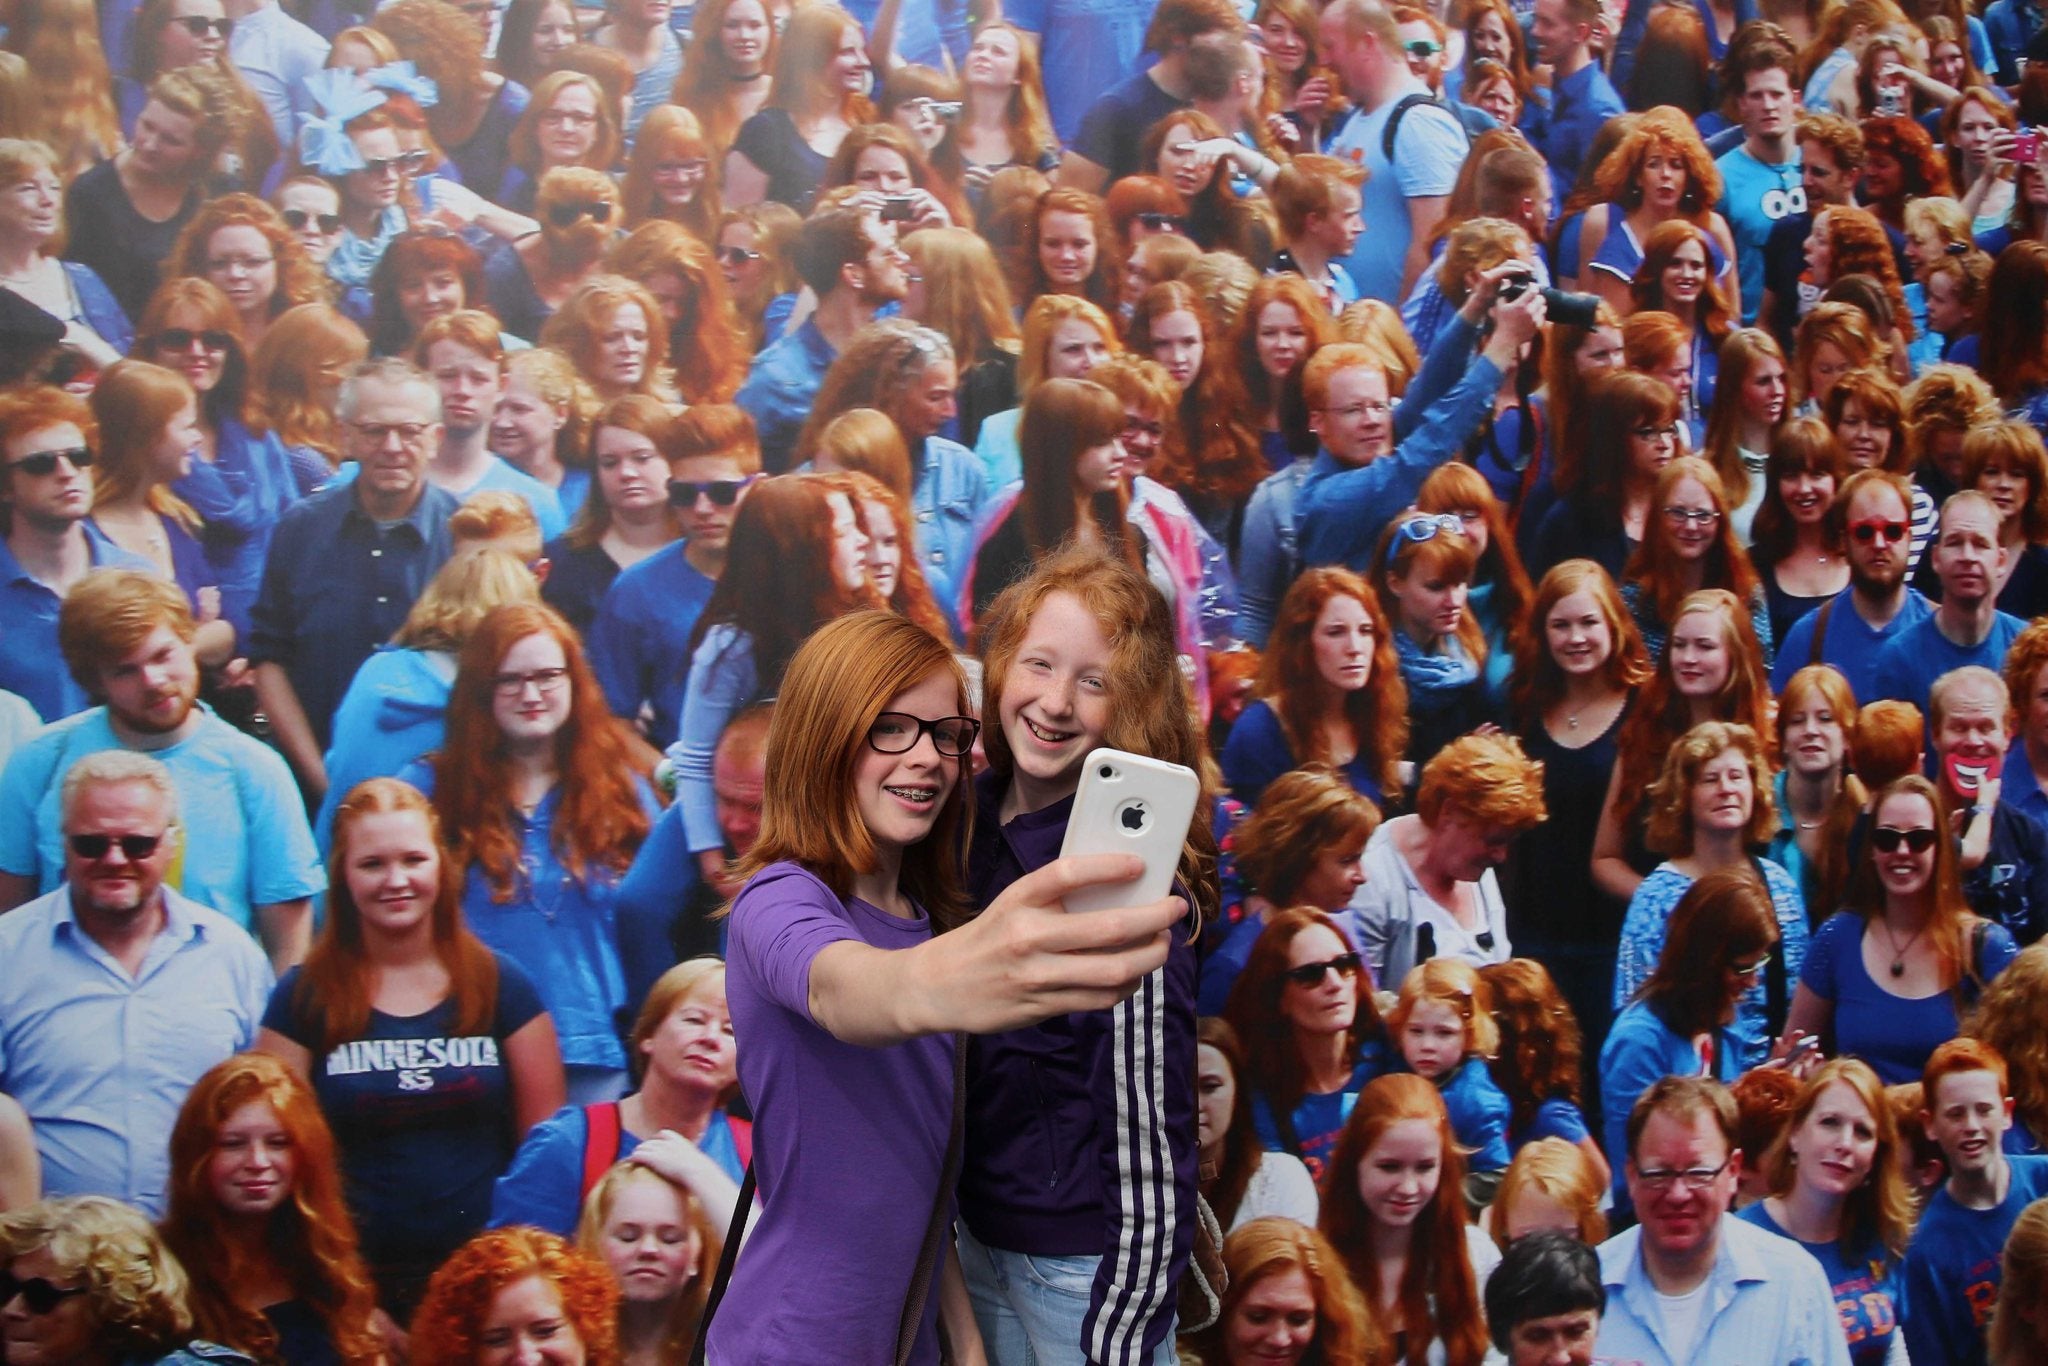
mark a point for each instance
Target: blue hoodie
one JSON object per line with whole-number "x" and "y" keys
{"x": 395, "y": 710}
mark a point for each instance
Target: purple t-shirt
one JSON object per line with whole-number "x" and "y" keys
{"x": 848, "y": 1141}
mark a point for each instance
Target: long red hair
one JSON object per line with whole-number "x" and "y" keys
{"x": 1272, "y": 1052}
{"x": 310, "y": 1237}
{"x": 599, "y": 823}
{"x": 1289, "y": 683}
{"x": 1656, "y": 566}
{"x": 1211, "y": 454}
{"x": 1439, "y": 1296}
{"x": 1247, "y": 392}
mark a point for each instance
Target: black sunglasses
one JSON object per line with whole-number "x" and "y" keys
{"x": 37, "y": 1294}
{"x": 1311, "y": 974}
{"x": 1886, "y": 839}
{"x": 45, "y": 462}
{"x": 723, "y": 493}
{"x": 135, "y": 847}
{"x": 1868, "y": 530}
{"x": 1163, "y": 222}
{"x": 199, "y": 27}
{"x": 598, "y": 210}
{"x": 181, "y": 339}
{"x": 738, "y": 256}
{"x": 297, "y": 219}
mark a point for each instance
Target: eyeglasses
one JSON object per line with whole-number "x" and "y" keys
{"x": 406, "y": 163}
{"x": 1654, "y": 433}
{"x": 1870, "y": 528}
{"x": 38, "y": 1296}
{"x": 546, "y": 681}
{"x": 1886, "y": 839}
{"x": 1312, "y": 974}
{"x": 45, "y": 462}
{"x": 133, "y": 848}
{"x": 597, "y": 210}
{"x": 572, "y": 118}
{"x": 1693, "y": 1178}
{"x": 1164, "y": 222}
{"x": 377, "y": 433}
{"x": 897, "y": 732}
{"x": 1422, "y": 47}
{"x": 691, "y": 168}
{"x": 297, "y": 219}
{"x": 1416, "y": 530}
{"x": 221, "y": 265}
{"x": 1751, "y": 969}
{"x": 1360, "y": 410}
{"x": 737, "y": 256}
{"x": 199, "y": 26}
{"x": 723, "y": 493}
{"x": 181, "y": 339}
{"x": 1685, "y": 517}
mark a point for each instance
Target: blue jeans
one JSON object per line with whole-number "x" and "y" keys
{"x": 1030, "y": 1309}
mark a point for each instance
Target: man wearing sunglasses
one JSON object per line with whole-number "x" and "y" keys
{"x": 1870, "y": 523}
{"x": 1966, "y": 627}
{"x": 464, "y": 353}
{"x": 2005, "y": 850}
{"x": 119, "y": 992}
{"x": 127, "y": 638}
{"x": 1689, "y": 1284}
{"x": 46, "y": 458}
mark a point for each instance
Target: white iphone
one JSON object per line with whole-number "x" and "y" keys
{"x": 1129, "y": 804}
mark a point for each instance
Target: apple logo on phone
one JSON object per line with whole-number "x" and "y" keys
{"x": 1133, "y": 816}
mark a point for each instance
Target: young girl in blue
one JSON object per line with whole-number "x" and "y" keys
{"x": 1838, "y": 1190}
{"x": 1537, "y": 1065}
{"x": 1445, "y": 1033}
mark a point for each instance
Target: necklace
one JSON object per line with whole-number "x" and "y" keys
{"x": 1898, "y": 967}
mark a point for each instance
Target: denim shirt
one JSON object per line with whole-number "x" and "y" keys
{"x": 1268, "y": 552}
{"x": 240, "y": 495}
{"x": 780, "y": 387}
{"x": 946, "y": 497}
{"x": 30, "y": 663}
{"x": 723, "y": 679}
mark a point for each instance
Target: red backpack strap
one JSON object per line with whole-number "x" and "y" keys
{"x": 601, "y": 1131}
{"x": 742, "y": 1139}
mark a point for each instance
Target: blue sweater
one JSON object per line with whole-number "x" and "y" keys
{"x": 1641, "y": 1050}
{"x": 1953, "y": 1267}
{"x": 395, "y": 710}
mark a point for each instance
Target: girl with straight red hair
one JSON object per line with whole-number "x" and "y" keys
{"x": 1395, "y": 1212}
{"x": 1689, "y": 544}
{"x": 542, "y": 813}
{"x": 256, "y": 1218}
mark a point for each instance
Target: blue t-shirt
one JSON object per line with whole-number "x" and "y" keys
{"x": 1429, "y": 148}
{"x": 1316, "y": 1119}
{"x": 543, "y": 1188}
{"x": 1754, "y": 196}
{"x": 1894, "y": 1034}
{"x": 1257, "y": 752}
{"x": 422, "y": 1115}
{"x": 1479, "y": 1114}
{"x": 1870, "y": 1292}
{"x": 1915, "y": 657}
{"x": 1554, "y": 1118}
{"x": 640, "y": 642}
{"x": 1954, "y": 1267}
{"x": 1852, "y": 644}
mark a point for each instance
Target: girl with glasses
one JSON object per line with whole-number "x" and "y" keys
{"x": 668, "y": 174}
{"x": 1395, "y": 1211}
{"x": 1689, "y": 544}
{"x": 240, "y": 245}
{"x": 173, "y": 34}
{"x": 1604, "y": 496}
{"x": 1889, "y": 977}
{"x": 543, "y": 813}
{"x": 256, "y": 1217}
{"x": 396, "y": 962}
{"x": 753, "y": 249}
{"x": 1081, "y": 654}
{"x": 568, "y": 122}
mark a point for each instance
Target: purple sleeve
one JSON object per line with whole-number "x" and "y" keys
{"x": 1143, "y": 1084}
{"x": 778, "y": 926}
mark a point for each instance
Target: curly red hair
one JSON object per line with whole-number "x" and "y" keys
{"x": 448, "y": 1325}
{"x": 1905, "y": 141}
{"x": 1663, "y": 129}
{"x": 707, "y": 347}
{"x": 1859, "y": 245}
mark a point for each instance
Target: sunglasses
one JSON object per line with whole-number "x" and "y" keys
{"x": 45, "y": 462}
{"x": 1871, "y": 528}
{"x": 405, "y": 162}
{"x": 1886, "y": 839}
{"x": 1416, "y": 530}
{"x": 597, "y": 210}
{"x": 297, "y": 219}
{"x": 1422, "y": 47}
{"x": 723, "y": 493}
{"x": 199, "y": 27}
{"x": 1164, "y": 222}
{"x": 737, "y": 256}
{"x": 1311, "y": 974}
{"x": 38, "y": 1296}
{"x": 181, "y": 339}
{"x": 134, "y": 847}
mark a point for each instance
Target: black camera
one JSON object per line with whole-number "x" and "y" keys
{"x": 1563, "y": 306}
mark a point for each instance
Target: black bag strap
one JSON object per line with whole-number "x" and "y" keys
{"x": 927, "y": 1253}
{"x": 1820, "y": 631}
{"x": 1401, "y": 108}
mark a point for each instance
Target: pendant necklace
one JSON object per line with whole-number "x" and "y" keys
{"x": 1898, "y": 968}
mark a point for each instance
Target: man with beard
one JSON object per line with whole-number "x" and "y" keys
{"x": 247, "y": 850}
{"x": 464, "y": 353}
{"x": 526, "y": 281}
{"x": 1870, "y": 522}
{"x": 119, "y": 993}
{"x": 1966, "y": 627}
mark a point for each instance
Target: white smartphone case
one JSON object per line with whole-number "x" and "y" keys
{"x": 1129, "y": 804}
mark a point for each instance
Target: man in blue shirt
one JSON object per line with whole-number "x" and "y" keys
{"x": 1106, "y": 145}
{"x": 852, "y": 262}
{"x": 1953, "y": 1267}
{"x": 1689, "y": 1284}
{"x": 1405, "y": 194}
{"x": 464, "y": 352}
{"x": 2011, "y": 25}
{"x": 46, "y": 438}
{"x": 1085, "y": 47}
{"x": 247, "y": 850}
{"x": 1966, "y": 627}
{"x": 1760, "y": 180}
{"x": 1870, "y": 524}
{"x": 119, "y": 994}
{"x": 347, "y": 563}
{"x": 1582, "y": 99}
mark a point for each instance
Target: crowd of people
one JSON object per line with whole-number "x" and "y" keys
{"x": 561, "y": 567}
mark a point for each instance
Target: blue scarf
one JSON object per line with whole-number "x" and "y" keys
{"x": 1433, "y": 680}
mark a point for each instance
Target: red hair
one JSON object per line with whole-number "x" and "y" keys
{"x": 1272, "y": 1053}
{"x": 1655, "y": 566}
{"x": 1243, "y": 386}
{"x": 1289, "y": 683}
{"x": 447, "y": 1328}
{"x": 1537, "y": 683}
{"x": 1540, "y": 1045}
{"x": 1439, "y": 1293}
{"x": 1660, "y": 244}
{"x": 707, "y": 346}
{"x": 1211, "y": 454}
{"x": 309, "y": 1237}
{"x": 1669, "y": 130}
{"x": 1961, "y": 1055}
{"x": 1104, "y": 285}
{"x": 599, "y": 823}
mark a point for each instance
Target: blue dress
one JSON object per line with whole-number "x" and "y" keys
{"x": 1257, "y": 752}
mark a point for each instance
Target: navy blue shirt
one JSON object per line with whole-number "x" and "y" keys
{"x": 1115, "y": 125}
{"x": 337, "y": 585}
{"x": 1580, "y": 104}
{"x": 30, "y": 663}
{"x": 577, "y": 580}
{"x": 640, "y": 642}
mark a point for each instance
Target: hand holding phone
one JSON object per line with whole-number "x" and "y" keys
{"x": 1129, "y": 804}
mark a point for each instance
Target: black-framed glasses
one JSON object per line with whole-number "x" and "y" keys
{"x": 297, "y": 219}
{"x": 548, "y": 681}
{"x": 1870, "y": 528}
{"x": 691, "y": 167}
{"x": 597, "y": 210}
{"x": 897, "y": 732}
{"x": 181, "y": 339}
{"x": 199, "y": 26}
{"x": 684, "y": 493}
{"x": 38, "y": 1296}
{"x": 737, "y": 256}
{"x": 1164, "y": 222}
{"x": 1685, "y": 517}
{"x": 1886, "y": 839}
{"x": 44, "y": 463}
{"x": 1416, "y": 530}
{"x": 405, "y": 163}
{"x": 1692, "y": 1178}
{"x": 1312, "y": 974}
{"x": 133, "y": 847}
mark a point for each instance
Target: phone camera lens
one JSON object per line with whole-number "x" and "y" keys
{"x": 1106, "y": 771}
